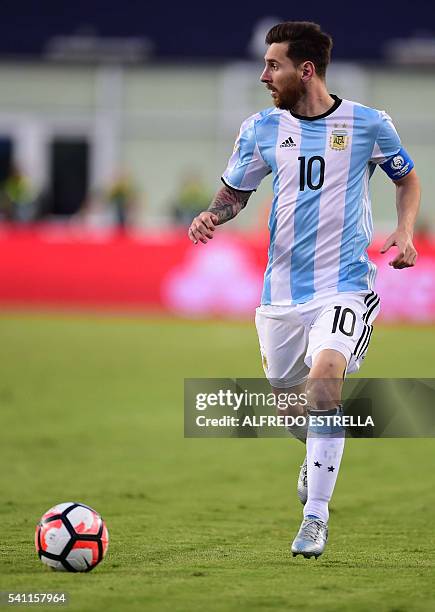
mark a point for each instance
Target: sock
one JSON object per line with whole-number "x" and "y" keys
{"x": 325, "y": 445}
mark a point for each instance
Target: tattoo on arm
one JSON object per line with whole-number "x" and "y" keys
{"x": 228, "y": 202}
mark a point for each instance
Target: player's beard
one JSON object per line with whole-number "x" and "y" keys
{"x": 290, "y": 95}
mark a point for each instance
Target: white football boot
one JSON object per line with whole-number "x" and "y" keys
{"x": 311, "y": 539}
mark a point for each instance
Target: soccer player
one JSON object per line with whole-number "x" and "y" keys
{"x": 318, "y": 302}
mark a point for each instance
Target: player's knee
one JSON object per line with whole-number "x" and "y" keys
{"x": 328, "y": 364}
{"x": 325, "y": 379}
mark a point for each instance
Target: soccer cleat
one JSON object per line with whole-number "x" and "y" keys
{"x": 303, "y": 483}
{"x": 311, "y": 538}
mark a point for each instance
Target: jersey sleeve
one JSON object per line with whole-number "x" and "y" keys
{"x": 388, "y": 152}
{"x": 246, "y": 168}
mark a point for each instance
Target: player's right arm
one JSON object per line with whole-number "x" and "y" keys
{"x": 398, "y": 165}
{"x": 245, "y": 170}
{"x": 226, "y": 204}
{"x": 407, "y": 203}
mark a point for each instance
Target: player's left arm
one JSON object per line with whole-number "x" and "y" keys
{"x": 407, "y": 204}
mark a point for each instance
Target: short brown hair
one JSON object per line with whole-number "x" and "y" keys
{"x": 306, "y": 42}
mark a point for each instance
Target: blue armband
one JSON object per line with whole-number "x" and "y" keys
{"x": 398, "y": 166}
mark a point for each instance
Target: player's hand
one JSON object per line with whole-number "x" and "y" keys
{"x": 202, "y": 227}
{"x": 407, "y": 255}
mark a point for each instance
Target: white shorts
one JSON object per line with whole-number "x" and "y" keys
{"x": 291, "y": 336}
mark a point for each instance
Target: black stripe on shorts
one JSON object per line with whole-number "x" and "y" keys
{"x": 371, "y": 301}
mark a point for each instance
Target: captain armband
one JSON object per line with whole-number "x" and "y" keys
{"x": 398, "y": 166}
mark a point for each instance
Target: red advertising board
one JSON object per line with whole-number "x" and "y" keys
{"x": 71, "y": 267}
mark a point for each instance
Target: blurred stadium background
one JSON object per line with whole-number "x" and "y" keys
{"x": 115, "y": 126}
{"x": 116, "y": 122}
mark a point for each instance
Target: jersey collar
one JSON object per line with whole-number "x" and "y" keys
{"x": 337, "y": 102}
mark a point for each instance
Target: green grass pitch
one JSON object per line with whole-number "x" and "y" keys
{"x": 92, "y": 411}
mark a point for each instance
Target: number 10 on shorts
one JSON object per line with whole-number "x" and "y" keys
{"x": 344, "y": 320}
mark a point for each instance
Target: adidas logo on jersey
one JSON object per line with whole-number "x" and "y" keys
{"x": 289, "y": 142}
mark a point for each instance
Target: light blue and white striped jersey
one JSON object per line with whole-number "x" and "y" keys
{"x": 320, "y": 221}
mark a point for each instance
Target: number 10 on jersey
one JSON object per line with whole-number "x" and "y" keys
{"x": 316, "y": 163}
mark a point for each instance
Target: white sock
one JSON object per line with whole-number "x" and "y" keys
{"x": 325, "y": 447}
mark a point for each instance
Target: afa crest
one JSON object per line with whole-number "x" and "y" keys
{"x": 339, "y": 140}
{"x": 265, "y": 364}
